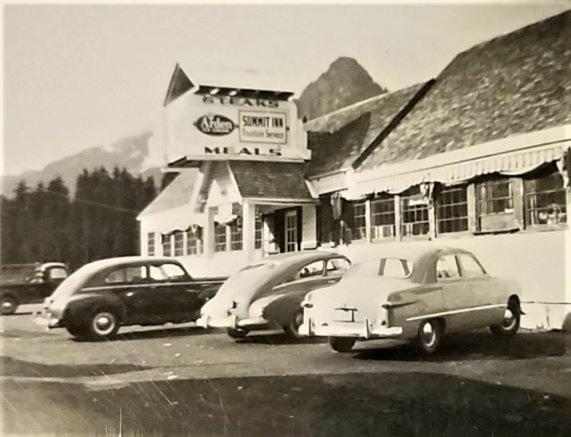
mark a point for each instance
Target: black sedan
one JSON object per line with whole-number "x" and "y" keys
{"x": 103, "y": 295}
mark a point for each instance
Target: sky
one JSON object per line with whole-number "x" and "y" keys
{"x": 78, "y": 76}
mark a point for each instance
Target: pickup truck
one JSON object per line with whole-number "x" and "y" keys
{"x": 28, "y": 283}
{"x": 103, "y": 295}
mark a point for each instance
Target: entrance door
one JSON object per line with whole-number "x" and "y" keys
{"x": 291, "y": 231}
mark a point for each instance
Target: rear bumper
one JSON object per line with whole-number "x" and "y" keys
{"x": 46, "y": 320}
{"x": 364, "y": 330}
{"x": 230, "y": 322}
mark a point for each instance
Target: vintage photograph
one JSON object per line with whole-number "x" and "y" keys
{"x": 286, "y": 218}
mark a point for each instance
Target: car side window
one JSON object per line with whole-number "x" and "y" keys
{"x": 447, "y": 268}
{"x": 312, "y": 269}
{"x": 127, "y": 275}
{"x": 337, "y": 265}
{"x": 470, "y": 267}
{"x": 167, "y": 272}
{"x": 57, "y": 273}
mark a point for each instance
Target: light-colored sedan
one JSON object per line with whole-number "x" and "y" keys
{"x": 412, "y": 295}
{"x": 268, "y": 294}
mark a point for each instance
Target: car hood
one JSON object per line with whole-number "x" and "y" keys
{"x": 364, "y": 294}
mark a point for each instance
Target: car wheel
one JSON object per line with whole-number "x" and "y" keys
{"x": 296, "y": 321}
{"x": 236, "y": 333}
{"x": 102, "y": 324}
{"x": 8, "y": 305}
{"x": 342, "y": 344}
{"x": 429, "y": 336}
{"x": 510, "y": 324}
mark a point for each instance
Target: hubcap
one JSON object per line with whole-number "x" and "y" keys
{"x": 509, "y": 318}
{"x": 298, "y": 320}
{"x": 7, "y": 305}
{"x": 103, "y": 323}
{"x": 428, "y": 334}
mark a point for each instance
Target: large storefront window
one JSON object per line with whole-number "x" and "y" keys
{"x": 452, "y": 210}
{"x": 219, "y": 237}
{"x": 383, "y": 217}
{"x": 178, "y": 243}
{"x": 357, "y": 222}
{"x": 494, "y": 205}
{"x": 236, "y": 235}
{"x": 544, "y": 200}
{"x": 414, "y": 213}
{"x": 151, "y": 243}
{"x": 166, "y": 242}
{"x": 194, "y": 241}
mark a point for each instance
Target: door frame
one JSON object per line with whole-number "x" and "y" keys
{"x": 291, "y": 213}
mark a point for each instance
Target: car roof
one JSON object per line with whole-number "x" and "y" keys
{"x": 416, "y": 252}
{"x": 122, "y": 260}
{"x": 293, "y": 257}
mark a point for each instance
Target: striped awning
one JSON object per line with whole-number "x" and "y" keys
{"x": 453, "y": 168}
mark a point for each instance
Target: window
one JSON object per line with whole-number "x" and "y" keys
{"x": 167, "y": 272}
{"x": 358, "y": 222}
{"x": 414, "y": 211}
{"x": 151, "y": 243}
{"x": 452, "y": 210}
{"x": 219, "y": 237}
{"x": 495, "y": 196}
{"x": 395, "y": 268}
{"x": 166, "y": 244}
{"x": 58, "y": 273}
{"x": 313, "y": 269}
{"x": 383, "y": 217}
{"x": 134, "y": 274}
{"x": 544, "y": 200}
{"x": 178, "y": 243}
{"x": 194, "y": 241}
{"x": 236, "y": 234}
{"x": 337, "y": 265}
{"x": 470, "y": 267}
{"x": 258, "y": 232}
{"x": 447, "y": 268}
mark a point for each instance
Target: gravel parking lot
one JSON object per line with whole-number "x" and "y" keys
{"x": 186, "y": 379}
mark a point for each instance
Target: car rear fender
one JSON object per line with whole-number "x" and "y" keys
{"x": 282, "y": 309}
{"x": 82, "y": 305}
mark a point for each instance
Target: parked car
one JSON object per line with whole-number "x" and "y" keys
{"x": 417, "y": 296}
{"x": 268, "y": 294}
{"x": 28, "y": 283}
{"x": 103, "y": 295}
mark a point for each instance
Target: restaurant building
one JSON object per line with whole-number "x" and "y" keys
{"x": 477, "y": 158}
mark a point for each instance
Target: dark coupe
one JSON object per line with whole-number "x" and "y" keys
{"x": 103, "y": 295}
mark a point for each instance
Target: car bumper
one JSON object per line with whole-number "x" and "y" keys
{"x": 363, "y": 330}
{"x": 47, "y": 320}
{"x": 230, "y": 322}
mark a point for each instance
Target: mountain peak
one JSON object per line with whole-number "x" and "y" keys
{"x": 345, "y": 82}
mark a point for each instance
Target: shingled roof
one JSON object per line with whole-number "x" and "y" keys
{"x": 512, "y": 84}
{"x": 275, "y": 180}
{"x": 337, "y": 139}
{"x": 177, "y": 193}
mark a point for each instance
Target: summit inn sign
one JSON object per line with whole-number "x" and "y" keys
{"x": 202, "y": 127}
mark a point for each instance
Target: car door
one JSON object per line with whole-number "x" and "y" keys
{"x": 458, "y": 300}
{"x": 483, "y": 289}
{"x": 175, "y": 296}
{"x": 131, "y": 285}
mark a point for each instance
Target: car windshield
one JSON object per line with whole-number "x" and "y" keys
{"x": 389, "y": 267}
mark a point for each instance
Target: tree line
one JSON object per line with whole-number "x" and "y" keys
{"x": 45, "y": 223}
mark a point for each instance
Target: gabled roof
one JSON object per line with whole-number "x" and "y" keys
{"x": 512, "y": 84}
{"x": 339, "y": 138}
{"x": 177, "y": 193}
{"x": 271, "y": 180}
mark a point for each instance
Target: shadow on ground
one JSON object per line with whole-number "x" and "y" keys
{"x": 160, "y": 332}
{"x": 278, "y": 338}
{"x": 474, "y": 346}
{"x": 14, "y": 367}
{"x": 395, "y": 404}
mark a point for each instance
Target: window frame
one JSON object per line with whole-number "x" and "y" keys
{"x": 194, "y": 241}
{"x": 220, "y": 238}
{"x": 166, "y": 244}
{"x": 440, "y": 209}
{"x": 530, "y": 195}
{"x": 151, "y": 250}
{"x": 422, "y": 209}
{"x": 452, "y": 278}
{"x": 383, "y": 199}
{"x": 178, "y": 245}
